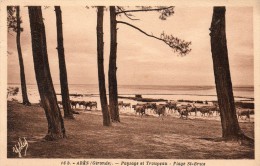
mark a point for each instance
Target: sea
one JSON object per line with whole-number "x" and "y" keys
{"x": 90, "y": 92}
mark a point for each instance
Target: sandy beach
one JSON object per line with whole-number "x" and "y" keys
{"x": 135, "y": 137}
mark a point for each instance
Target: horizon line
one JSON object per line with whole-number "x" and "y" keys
{"x": 136, "y": 84}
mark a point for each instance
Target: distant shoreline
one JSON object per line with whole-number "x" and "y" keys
{"x": 120, "y": 95}
{"x": 202, "y": 86}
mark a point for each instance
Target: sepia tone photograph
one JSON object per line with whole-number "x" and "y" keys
{"x": 130, "y": 82}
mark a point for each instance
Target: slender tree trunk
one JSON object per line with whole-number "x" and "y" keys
{"x": 62, "y": 65}
{"x": 56, "y": 129}
{"x": 230, "y": 126}
{"x": 113, "y": 98}
{"x": 20, "y": 56}
{"x": 100, "y": 62}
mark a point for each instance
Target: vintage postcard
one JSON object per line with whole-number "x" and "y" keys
{"x": 161, "y": 82}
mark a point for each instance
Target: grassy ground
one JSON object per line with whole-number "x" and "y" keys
{"x": 134, "y": 138}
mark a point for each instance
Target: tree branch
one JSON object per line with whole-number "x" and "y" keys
{"x": 144, "y": 10}
{"x": 176, "y": 44}
{"x": 122, "y": 22}
{"x": 127, "y": 15}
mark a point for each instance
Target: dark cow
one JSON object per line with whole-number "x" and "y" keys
{"x": 192, "y": 108}
{"x": 93, "y": 104}
{"x": 151, "y": 106}
{"x": 245, "y": 113}
{"x": 125, "y": 105}
{"x": 160, "y": 110}
{"x": 207, "y": 110}
{"x": 171, "y": 105}
{"x": 183, "y": 111}
{"x": 90, "y": 104}
{"x": 73, "y": 104}
{"x": 216, "y": 109}
{"x": 120, "y": 103}
{"x": 81, "y": 104}
{"x": 139, "y": 108}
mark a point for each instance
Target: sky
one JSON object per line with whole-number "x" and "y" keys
{"x": 141, "y": 60}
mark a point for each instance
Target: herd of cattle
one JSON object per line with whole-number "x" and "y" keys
{"x": 183, "y": 110}
{"x": 81, "y": 104}
{"x": 162, "y": 109}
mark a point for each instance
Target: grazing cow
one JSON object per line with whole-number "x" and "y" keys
{"x": 125, "y": 105}
{"x": 139, "y": 108}
{"x": 171, "y": 105}
{"x": 90, "y": 104}
{"x": 207, "y": 110}
{"x": 183, "y": 111}
{"x": 245, "y": 113}
{"x": 151, "y": 106}
{"x": 73, "y": 104}
{"x": 160, "y": 110}
{"x": 120, "y": 103}
{"x": 87, "y": 104}
{"x": 215, "y": 105}
{"x": 192, "y": 108}
{"x": 93, "y": 104}
{"x": 81, "y": 104}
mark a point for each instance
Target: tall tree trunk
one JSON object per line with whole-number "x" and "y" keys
{"x": 62, "y": 65}
{"x": 56, "y": 129}
{"x": 20, "y": 56}
{"x": 229, "y": 121}
{"x": 113, "y": 98}
{"x": 100, "y": 62}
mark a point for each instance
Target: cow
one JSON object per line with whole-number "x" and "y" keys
{"x": 73, "y": 104}
{"x": 207, "y": 110}
{"x": 139, "y": 108}
{"x": 171, "y": 105}
{"x": 204, "y": 111}
{"x": 245, "y": 113}
{"x": 81, "y": 103}
{"x": 215, "y": 105}
{"x": 160, "y": 110}
{"x": 93, "y": 104}
{"x": 120, "y": 104}
{"x": 192, "y": 108}
{"x": 183, "y": 111}
{"x": 125, "y": 105}
{"x": 151, "y": 106}
{"x": 90, "y": 104}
